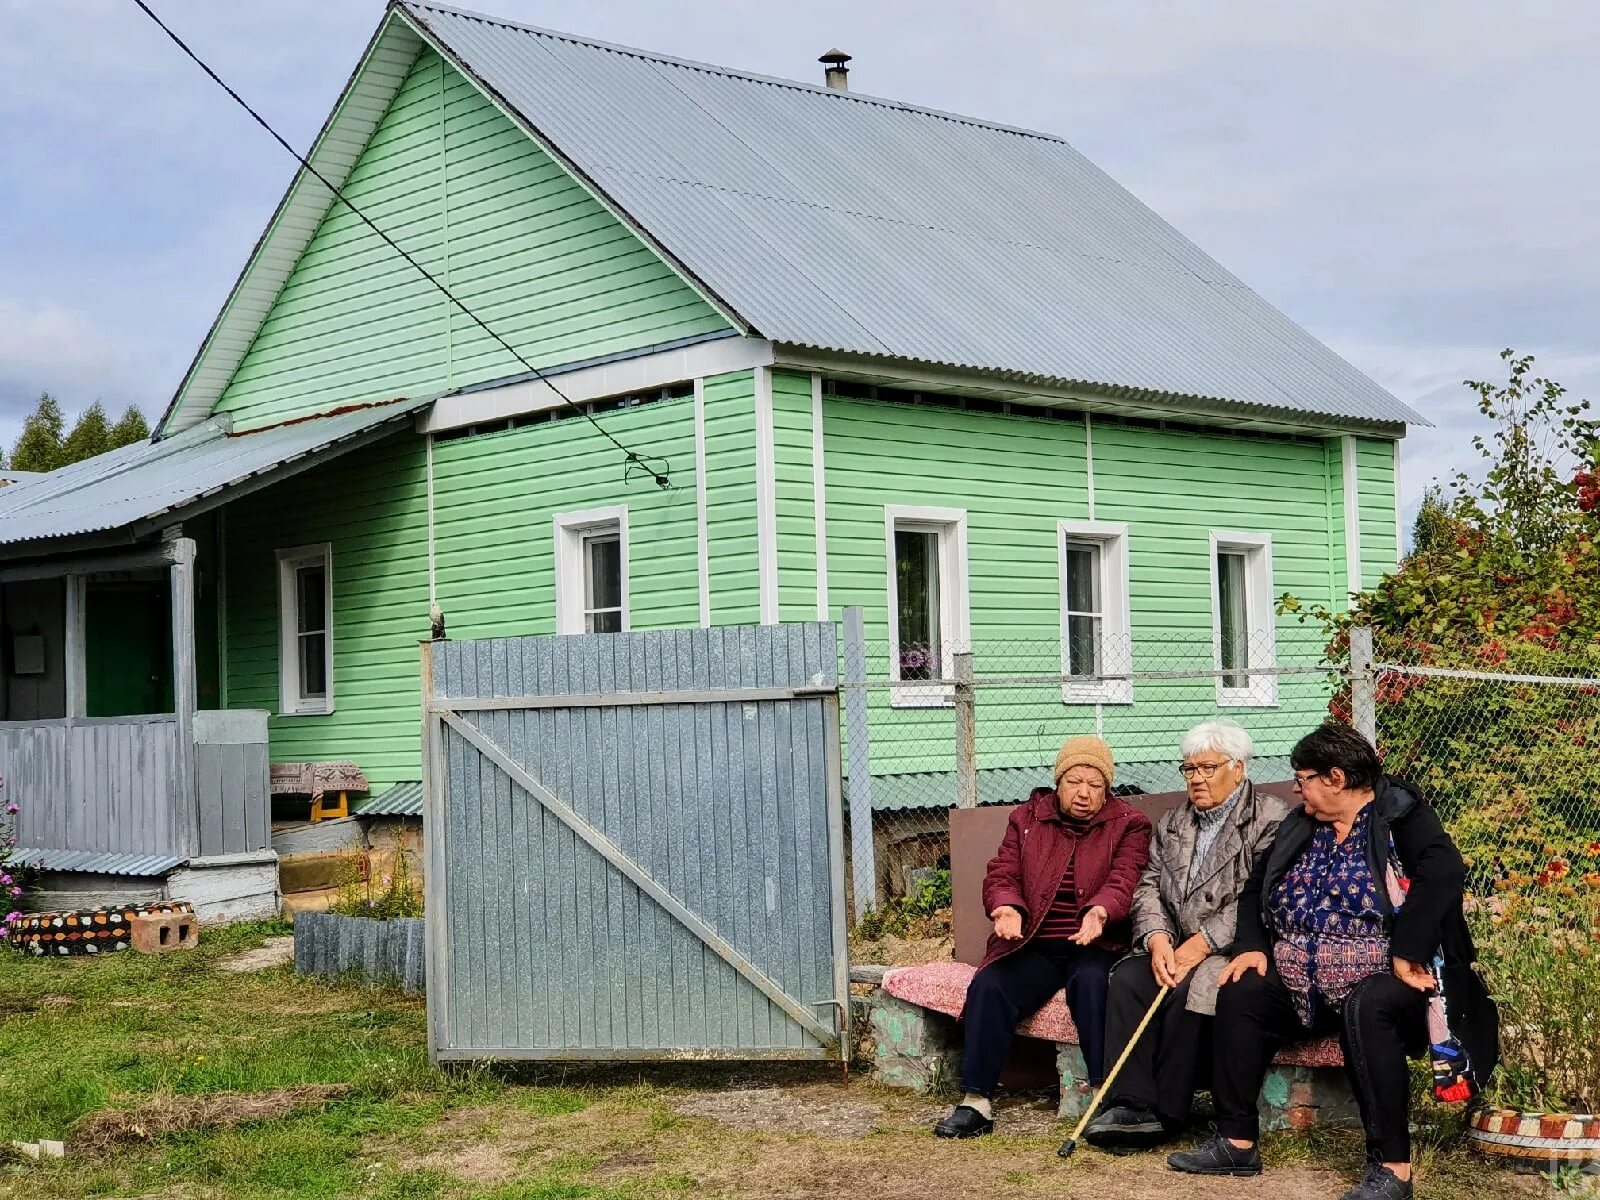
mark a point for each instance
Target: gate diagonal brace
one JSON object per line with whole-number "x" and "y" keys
{"x": 618, "y": 858}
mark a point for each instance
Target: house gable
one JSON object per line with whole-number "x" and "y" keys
{"x": 494, "y": 217}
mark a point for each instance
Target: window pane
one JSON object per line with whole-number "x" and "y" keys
{"x": 311, "y": 598}
{"x": 1233, "y": 614}
{"x": 602, "y": 575}
{"x": 313, "y": 666}
{"x": 1083, "y": 645}
{"x": 916, "y": 564}
{"x": 605, "y": 621}
{"x": 1083, "y": 577}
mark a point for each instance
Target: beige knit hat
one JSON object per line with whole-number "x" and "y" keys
{"x": 1086, "y": 751}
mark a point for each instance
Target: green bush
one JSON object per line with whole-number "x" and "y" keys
{"x": 900, "y": 916}
{"x": 384, "y": 898}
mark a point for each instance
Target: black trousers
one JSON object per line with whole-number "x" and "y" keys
{"x": 1017, "y": 986}
{"x": 1380, "y": 1023}
{"x": 1174, "y": 1055}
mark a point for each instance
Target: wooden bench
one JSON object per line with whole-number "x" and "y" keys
{"x": 912, "y": 1017}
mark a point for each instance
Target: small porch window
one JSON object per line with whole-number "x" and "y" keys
{"x": 305, "y": 597}
{"x": 927, "y": 558}
{"x": 1242, "y": 619}
{"x": 592, "y": 571}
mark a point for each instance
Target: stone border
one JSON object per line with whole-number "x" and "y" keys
{"x": 388, "y": 953}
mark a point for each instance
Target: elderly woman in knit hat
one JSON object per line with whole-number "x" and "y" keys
{"x": 1183, "y": 919}
{"x": 1058, "y": 892}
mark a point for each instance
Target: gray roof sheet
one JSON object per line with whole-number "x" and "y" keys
{"x": 404, "y": 799}
{"x": 844, "y": 222}
{"x": 149, "y": 479}
{"x": 93, "y": 862}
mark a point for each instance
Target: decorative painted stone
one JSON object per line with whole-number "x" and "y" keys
{"x": 88, "y": 931}
{"x": 1544, "y": 1142}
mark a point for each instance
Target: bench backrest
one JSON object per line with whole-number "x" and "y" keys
{"x": 974, "y": 837}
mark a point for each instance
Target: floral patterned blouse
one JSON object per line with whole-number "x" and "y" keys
{"x": 1328, "y": 918}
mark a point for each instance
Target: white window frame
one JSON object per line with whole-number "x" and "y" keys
{"x": 1116, "y": 634}
{"x": 1260, "y": 691}
{"x": 950, "y": 524}
{"x": 569, "y": 530}
{"x": 290, "y": 562}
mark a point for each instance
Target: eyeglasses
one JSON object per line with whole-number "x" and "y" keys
{"x": 1301, "y": 780}
{"x": 1203, "y": 770}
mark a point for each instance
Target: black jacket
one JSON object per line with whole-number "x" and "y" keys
{"x": 1431, "y": 918}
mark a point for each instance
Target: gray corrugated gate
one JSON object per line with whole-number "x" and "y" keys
{"x": 635, "y": 846}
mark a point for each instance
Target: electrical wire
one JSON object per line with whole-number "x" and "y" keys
{"x": 633, "y": 458}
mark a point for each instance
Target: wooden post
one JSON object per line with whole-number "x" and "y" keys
{"x": 74, "y": 646}
{"x": 1363, "y": 684}
{"x": 966, "y": 733}
{"x": 863, "y": 854}
{"x": 186, "y": 826}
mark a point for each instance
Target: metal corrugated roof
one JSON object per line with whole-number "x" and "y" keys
{"x": 145, "y": 481}
{"x": 843, "y": 222}
{"x": 94, "y": 863}
{"x": 404, "y": 799}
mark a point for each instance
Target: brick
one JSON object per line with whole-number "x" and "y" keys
{"x": 159, "y": 933}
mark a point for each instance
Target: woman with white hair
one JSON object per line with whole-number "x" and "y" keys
{"x": 1183, "y": 913}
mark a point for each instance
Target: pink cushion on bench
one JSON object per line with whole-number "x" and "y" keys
{"x": 942, "y": 987}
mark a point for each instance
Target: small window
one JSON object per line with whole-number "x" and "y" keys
{"x": 1242, "y": 619}
{"x": 591, "y": 550}
{"x": 1095, "y": 637}
{"x": 305, "y": 589}
{"x": 927, "y": 553}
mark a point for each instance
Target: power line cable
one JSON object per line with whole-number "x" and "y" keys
{"x": 634, "y": 459}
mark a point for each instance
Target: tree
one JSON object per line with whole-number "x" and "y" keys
{"x": 91, "y": 435}
{"x": 39, "y": 446}
{"x": 130, "y": 427}
{"x": 1435, "y": 525}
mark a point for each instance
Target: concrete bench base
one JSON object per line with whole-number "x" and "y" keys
{"x": 918, "y": 1048}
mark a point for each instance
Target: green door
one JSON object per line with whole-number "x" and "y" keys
{"x": 128, "y": 636}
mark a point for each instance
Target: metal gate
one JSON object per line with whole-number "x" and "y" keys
{"x": 634, "y": 846}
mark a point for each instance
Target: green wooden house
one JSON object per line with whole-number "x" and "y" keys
{"x": 936, "y": 367}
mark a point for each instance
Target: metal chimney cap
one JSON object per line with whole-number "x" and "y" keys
{"x": 835, "y": 58}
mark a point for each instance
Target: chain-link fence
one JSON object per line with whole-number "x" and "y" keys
{"x": 929, "y": 729}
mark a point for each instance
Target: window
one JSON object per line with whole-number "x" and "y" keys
{"x": 927, "y": 557}
{"x": 1242, "y": 618}
{"x": 305, "y": 654}
{"x": 591, "y": 554}
{"x": 1095, "y": 637}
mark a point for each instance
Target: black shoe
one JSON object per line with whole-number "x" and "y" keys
{"x": 1380, "y": 1183}
{"x": 964, "y": 1121}
{"x": 1125, "y": 1127}
{"x": 1218, "y": 1156}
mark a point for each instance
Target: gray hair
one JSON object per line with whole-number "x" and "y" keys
{"x": 1223, "y": 736}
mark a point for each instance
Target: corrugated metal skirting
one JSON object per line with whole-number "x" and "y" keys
{"x": 634, "y": 846}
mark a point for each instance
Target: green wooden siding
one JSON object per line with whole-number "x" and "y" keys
{"x": 495, "y": 498}
{"x": 371, "y": 506}
{"x": 731, "y": 527}
{"x": 1016, "y": 477}
{"x": 1375, "y": 489}
{"x": 478, "y": 203}
{"x": 793, "y": 488}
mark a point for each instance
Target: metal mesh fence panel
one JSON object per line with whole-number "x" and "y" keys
{"x": 940, "y": 728}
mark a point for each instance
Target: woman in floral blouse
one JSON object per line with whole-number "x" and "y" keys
{"x": 1338, "y": 930}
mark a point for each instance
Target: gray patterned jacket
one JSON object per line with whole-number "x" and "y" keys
{"x": 1165, "y": 903}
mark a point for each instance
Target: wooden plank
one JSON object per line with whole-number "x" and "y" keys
{"x": 641, "y": 879}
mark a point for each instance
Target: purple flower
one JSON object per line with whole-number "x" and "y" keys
{"x": 16, "y": 891}
{"x": 13, "y": 808}
{"x": 13, "y": 916}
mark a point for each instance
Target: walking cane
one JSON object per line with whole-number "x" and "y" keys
{"x": 1071, "y": 1144}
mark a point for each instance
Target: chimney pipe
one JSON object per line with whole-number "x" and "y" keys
{"x": 837, "y": 75}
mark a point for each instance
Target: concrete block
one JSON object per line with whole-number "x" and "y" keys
{"x": 912, "y": 1047}
{"x": 161, "y": 933}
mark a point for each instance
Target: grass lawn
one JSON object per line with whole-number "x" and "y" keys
{"x": 83, "y": 1037}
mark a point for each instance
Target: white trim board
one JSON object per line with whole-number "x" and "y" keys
{"x": 766, "y": 498}
{"x": 819, "y": 497}
{"x": 720, "y": 356}
{"x": 702, "y": 536}
{"x": 1352, "y": 517}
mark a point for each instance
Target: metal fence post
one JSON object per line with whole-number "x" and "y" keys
{"x": 863, "y": 857}
{"x": 1363, "y": 684}
{"x": 966, "y": 733}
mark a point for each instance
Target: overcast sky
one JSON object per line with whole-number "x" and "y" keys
{"x": 1412, "y": 182}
